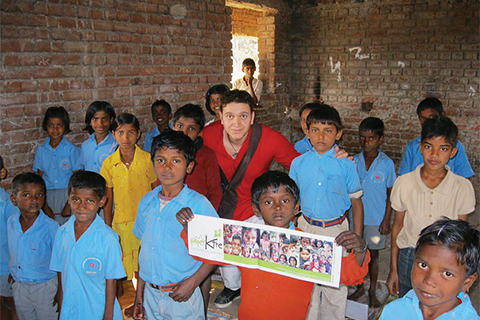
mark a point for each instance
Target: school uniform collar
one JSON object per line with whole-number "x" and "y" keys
{"x": 97, "y": 224}
{"x": 182, "y": 198}
{"x": 330, "y": 153}
{"x": 62, "y": 142}
{"x": 116, "y": 159}
{"x": 380, "y": 156}
{"x": 36, "y": 224}
{"x": 443, "y": 188}
{"x": 291, "y": 226}
{"x": 109, "y": 138}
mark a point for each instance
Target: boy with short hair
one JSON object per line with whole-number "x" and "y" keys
{"x": 161, "y": 115}
{"x": 248, "y": 83}
{"x": 275, "y": 198}
{"x": 412, "y": 157}
{"x": 377, "y": 175}
{"x": 205, "y": 176}
{"x": 421, "y": 197}
{"x": 7, "y": 209}
{"x": 87, "y": 254}
{"x": 168, "y": 276}
{"x": 305, "y": 145}
{"x": 30, "y": 241}
{"x": 328, "y": 188}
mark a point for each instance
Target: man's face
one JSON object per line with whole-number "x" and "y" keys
{"x": 237, "y": 118}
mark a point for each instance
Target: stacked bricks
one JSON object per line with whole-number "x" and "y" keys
{"x": 129, "y": 53}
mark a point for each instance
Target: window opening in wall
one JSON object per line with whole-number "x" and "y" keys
{"x": 243, "y": 47}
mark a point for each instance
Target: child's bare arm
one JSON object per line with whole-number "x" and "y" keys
{"x": 357, "y": 213}
{"x": 59, "y": 295}
{"x": 107, "y": 208}
{"x": 110, "y": 290}
{"x": 392, "y": 280}
{"x": 184, "y": 289}
{"x": 184, "y": 216}
{"x": 138, "y": 310}
{"x": 385, "y": 225}
{"x": 350, "y": 240}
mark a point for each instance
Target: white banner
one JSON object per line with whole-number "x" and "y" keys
{"x": 282, "y": 251}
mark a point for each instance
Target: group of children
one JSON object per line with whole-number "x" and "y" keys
{"x": 76, "y": 266}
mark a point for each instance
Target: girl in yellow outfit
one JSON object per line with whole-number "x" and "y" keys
{"x": 129, "y": 174}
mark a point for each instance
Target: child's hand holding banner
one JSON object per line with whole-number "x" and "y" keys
{"x": 282, "y": 251}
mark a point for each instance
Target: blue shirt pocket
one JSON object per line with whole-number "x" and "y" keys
{"x": 336, "y": 184}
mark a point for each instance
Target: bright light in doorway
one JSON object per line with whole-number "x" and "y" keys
{"x": 243, "y": 47}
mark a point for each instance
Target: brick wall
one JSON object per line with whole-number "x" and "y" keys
{"x": 244, "y": 21}
{"x": 129, "y": 53}
{"x": 409, "y": 50}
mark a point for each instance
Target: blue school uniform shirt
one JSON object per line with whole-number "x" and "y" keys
{"x": 408, "y": 307}
{"x": 147, "y": 145}
{"x": 57, "y": 165}
{"x": 85, "y": 265}
{"x": 380, "y": 176}
{"x": 7, "y": 209}
{"x": 164, "y": 258}
{"x": 412, "y": 158}
{"x": 303, "y": 145}
{"x": 93, "y": 154}
{"x": 30, "y": 252}
{"x": 325, "y": 184}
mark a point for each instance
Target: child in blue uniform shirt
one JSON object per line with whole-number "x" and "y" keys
{"x": 377, "y": 176}
{"x": 87, "y": 254}
{"x": 328, "y": 188}
{"x": 304, "y": 145}
{"x": 412, "y": 158}
{"x": 55, "y": 161}
{"x": 446, "y": 265}
{"x": 169, "y": 276}
{"x": 161, "y": 115}
{"x": 6, "y": 210}
{"x": 100, "y": 122}
{"x": 30, "y": 241}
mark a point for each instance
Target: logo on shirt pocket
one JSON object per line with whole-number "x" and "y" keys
{"x": 378, "y": 177}
{"x": 92, "y": 266}
{"x": 65, "y": 164}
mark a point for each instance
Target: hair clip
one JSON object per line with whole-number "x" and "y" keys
{"x": 439, "y": 231}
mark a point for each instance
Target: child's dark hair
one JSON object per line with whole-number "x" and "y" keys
{"x": 88, "y": 180}
{"x": 27, "y": 177}
{"x": 440, "y": 127}
{"x": 174, "y": 140}
{"x": 456, "y": 235}
{"x": 128, "y": 118}
{"x": 272, "y": 180}
{"x": 94, "y": 108}
{"x": 326, "y": 115}
{"x": 372, "y": 124}
{"x": 265, "y": 233}
{"x": 217, "y": 89}
{"x": 162, "y": 103}
{"x": 193, "y": 111}
{"x": 238, "y": 96}
{"x": 292, "y": 257}
{"x": 57, "y": 112}
{"x": 430, "y": 103}
{"x": 309, "y": 106}
{"x": 248, "y": 62}
{"x": 237, "y": 237}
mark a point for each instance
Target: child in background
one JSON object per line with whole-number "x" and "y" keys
{"x": 304, "y": 145}
{"x": 248, "y": 83}
{"x": 87, "y": 254}
{"x": 100, "y": 123}
{"x": 328, "y": 188}
{"x": 169, "y": 276}
{"x": 213, "y": 101}
{"x": 205, "y": 177}
{"x": 412, "y": 157}
{"x": 55, "y": 161}
{"x": 377, "y": 176}
{"x": 161, "y": 115}
{"x": 7, "y": 307}
{"x": 129, "y": 174}
{"x": 420, "y": 197}
{"x": 275, "y": 198}
{"x": 446, "y": 265}
{"x": 30, "y": 241}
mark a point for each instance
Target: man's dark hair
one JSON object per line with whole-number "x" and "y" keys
{"x": 272, "y": 180}
{"x": 88, "y": 180}
{"x": 372, "y": 124}
{"x": 326, "y": 115}
{"x": 174, "y": 140}
{"x": 238, "y": 96}
{"x": 440, "y": 127}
